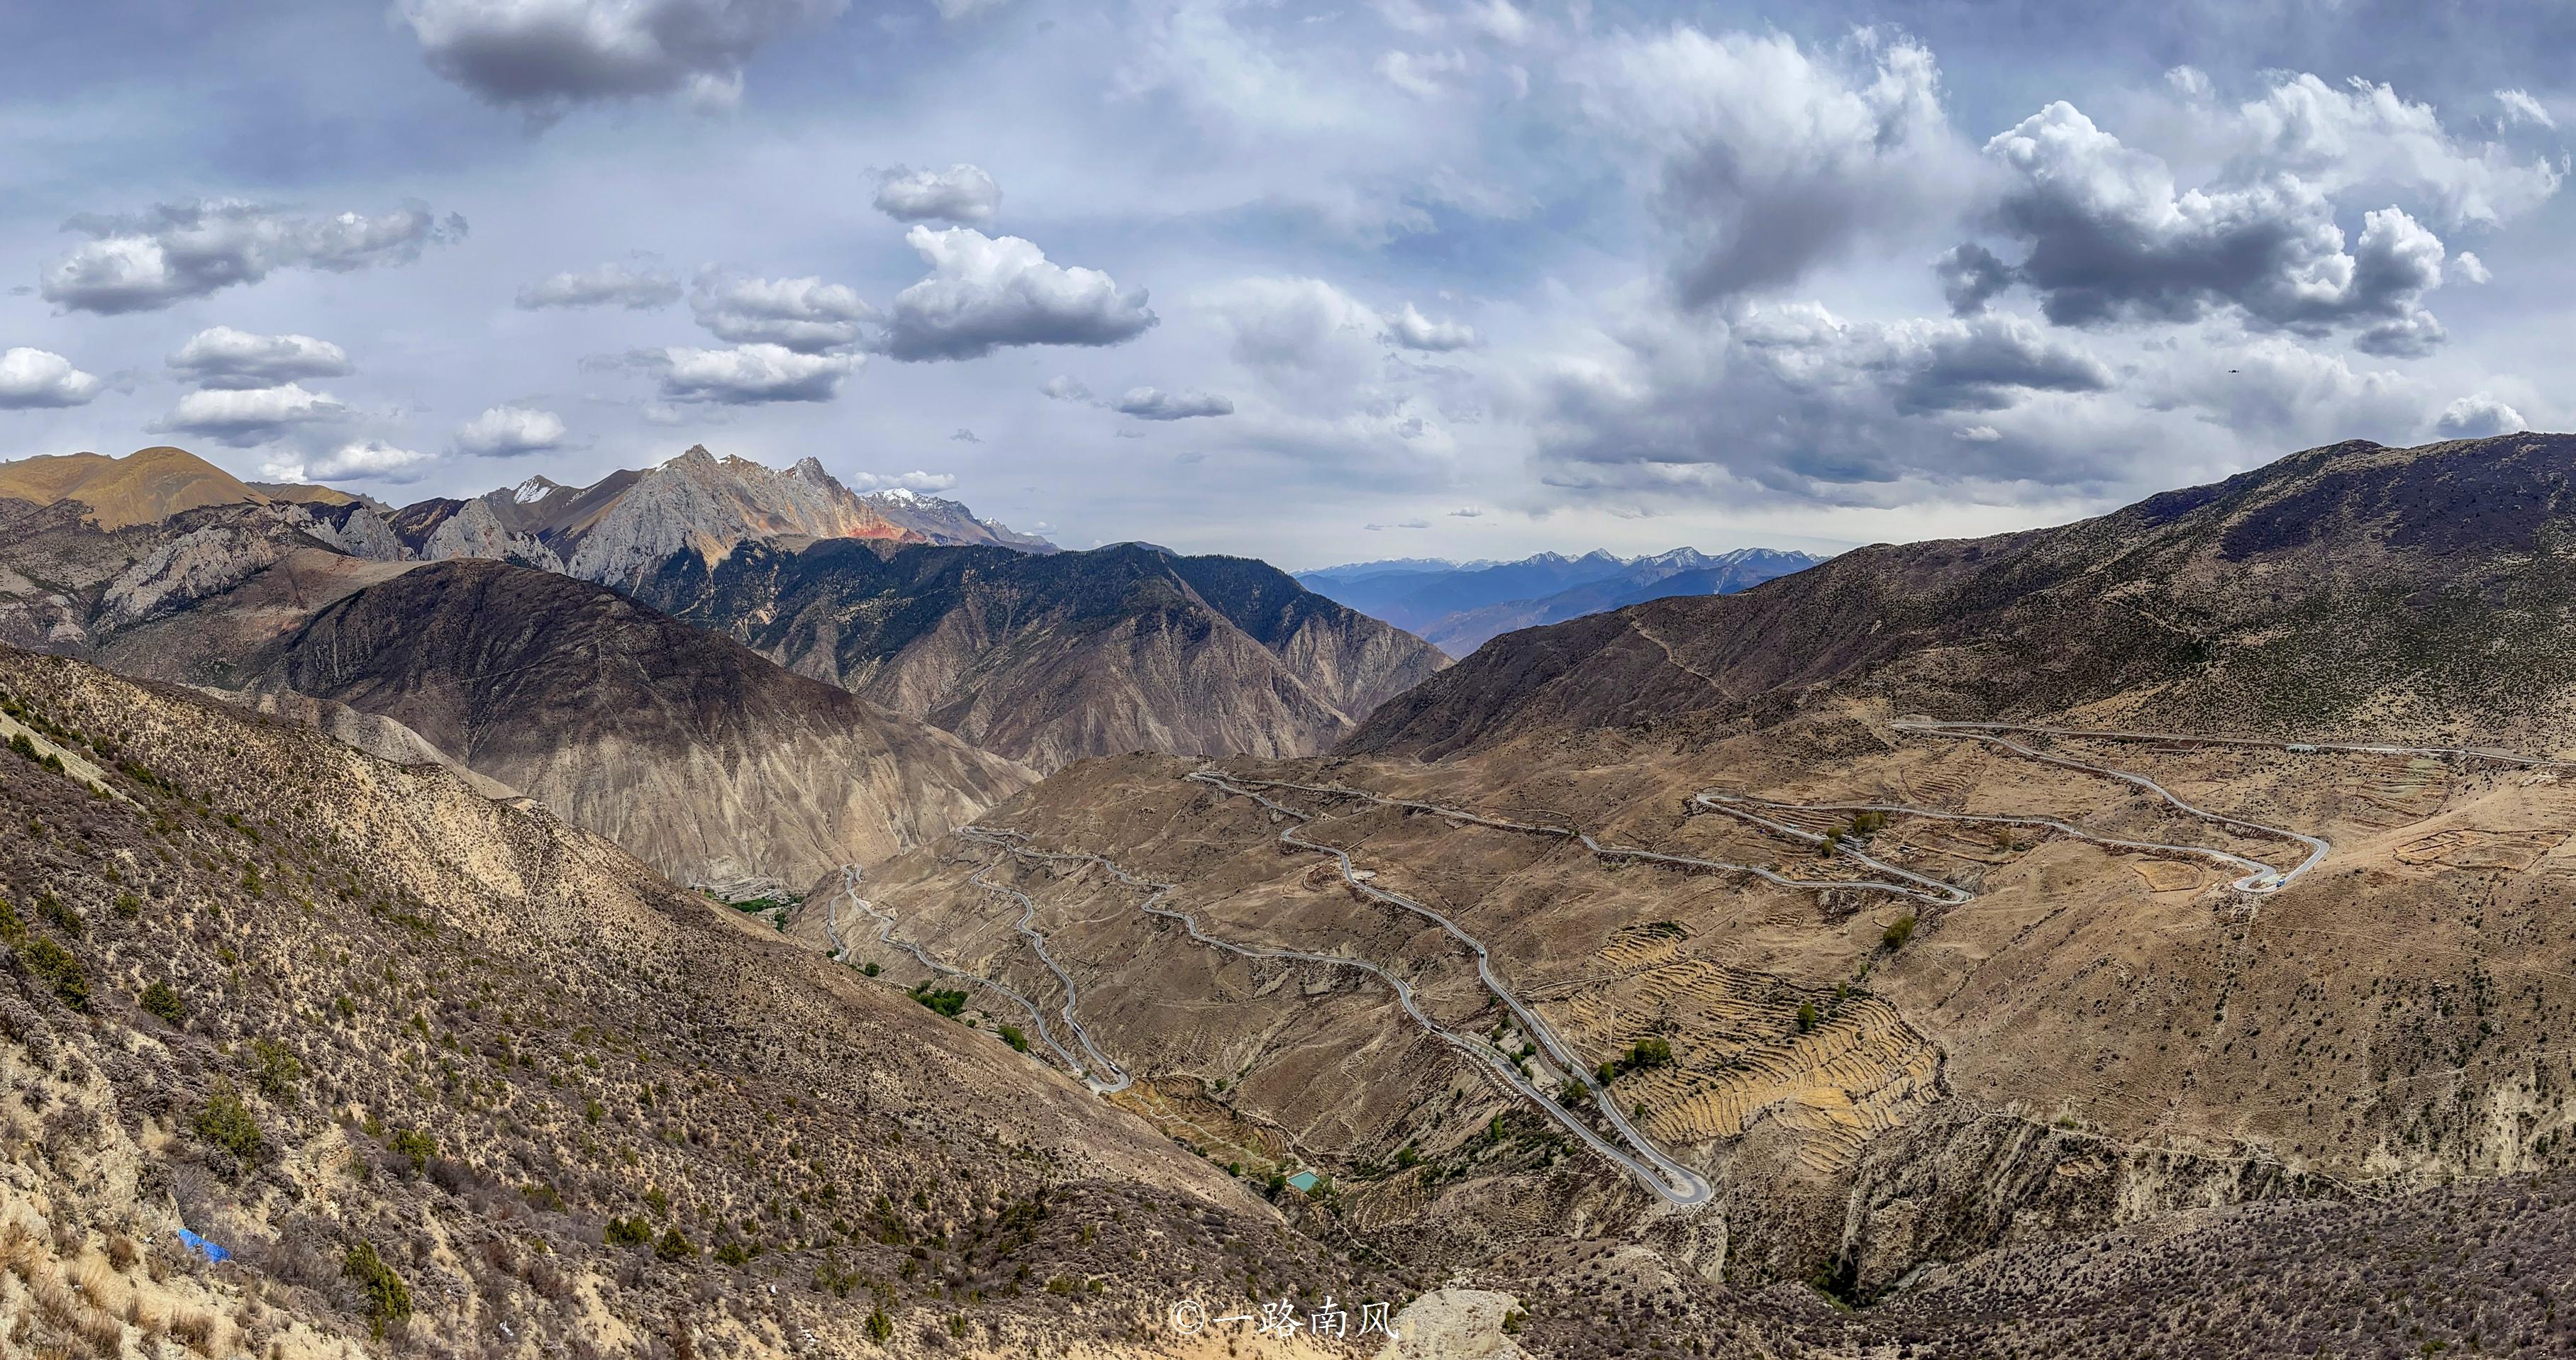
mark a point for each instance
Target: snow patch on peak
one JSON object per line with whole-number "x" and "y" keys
{"x": 533, "y": 490}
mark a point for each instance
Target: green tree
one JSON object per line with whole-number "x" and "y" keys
{"x": 388, "y": 1299}
{"x": 1897, "y": 933}
{"x": 228, "y": 1124}
{"x": 158, "y": 1000}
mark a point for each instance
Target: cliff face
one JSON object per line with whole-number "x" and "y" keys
{"x": 700, "y": 757}
{"x": 1051, "y": 659}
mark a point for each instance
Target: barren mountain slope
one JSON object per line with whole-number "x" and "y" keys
{"x": 144, "y": 487}
{"x": 2350, "y": 588}
{"x": 1049, "y": 659}
{"x": 452, "y": 1072}
{"x": 2069, "y": 1021}
{"x": 692, "y": 752}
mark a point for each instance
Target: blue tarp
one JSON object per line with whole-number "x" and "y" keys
{"x": 211, "y": 1251}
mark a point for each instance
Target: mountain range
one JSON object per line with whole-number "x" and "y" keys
{"x": 2414, "y": 592}
{"x": 1049, "y": 659}
{"x": 1980, "y": 947}
{"x": 710, "y": 761}
{"x": 1458, "y": 607}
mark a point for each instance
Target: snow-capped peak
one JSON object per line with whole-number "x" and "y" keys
{"x": 899, "y": 495}
{"x": 532, "y": 490}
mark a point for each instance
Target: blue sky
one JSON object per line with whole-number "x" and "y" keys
{"x": 1310, "y": 282}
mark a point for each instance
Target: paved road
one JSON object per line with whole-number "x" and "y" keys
{"x": 1116, "y": 1079}
{"x": 1915, "y": 886}
{"x": 885, "y": 935}
{"x": 2265, "y": 878}
{"x": 1675, "y": 1183}
{"x": 2496, "y": 754}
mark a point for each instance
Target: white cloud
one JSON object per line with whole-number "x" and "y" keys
{"x": 1064, "y": 388}
{"x": 806, "y": 315}
{"x": 243, "y": 417}
{"x": 366, "y": 460}
{"x": 915, "y": 480}
{"x": 224, "y": 357}
{"x": 985, "y": 293}
{"x": 37, "y": 377}
{"x": 2365, "y": 135}
{"x": 2467, "y": 265}
{"x": 1289, "y": 323}
{"x": 2111, "y": 236}
{"x": 1797, "y": 402}
{"x": 177, "y": 251}
{"x": 1766, "y": 159}
{"x": 1411, "y": 329}
{"x": 2520, "y": 107}
{"x": 1149, "y": 403}
{"x": 750, "y": 375}
{"x": 542, "y": 55}
{"x": 610, "y": 285}
{"x": 511, "y": 432}
{"x": 960, "y": 193}
{"x": 2477, "y": 416}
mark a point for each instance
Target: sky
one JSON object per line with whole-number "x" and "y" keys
{"x": 1309, "y": 282}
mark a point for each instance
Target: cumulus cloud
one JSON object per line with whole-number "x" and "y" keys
{"x": 540, "y": 56}
{"x": 1770, "y": 159}
{"x": 985, "y": 293}
{"x": 806, "y": 315}
{"x": 610, "y": 285}
{"x": 960, "y": 193}
{"x": 224, "y": 357}
{"x": 31, "y": 378}
{"x": 2110, "y": 236}
{"x": 1149, "y": 403}
{"x": 1411, "y": 329}
{"x": 243, "y": 417}
{"x": 511, "y": 432}
{"x": 176, "y": 251}
{"x": 2477, "y": 416}
{"x": 2367, "y": 136}
{"x": 1064, "y": 388}
{"x": 366, "y": 460}
{"x": 915, "y": 480}
{"x": 2468, "y": 266}
{"x": 752, "y": 375}
{"x": 1799, "y": 402}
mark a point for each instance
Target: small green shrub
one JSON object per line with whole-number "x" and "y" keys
{"x": 1011, "y": 1035}
{"x": 388, "y": 1299}
{"x": 158, "y": 1000}
{"x": 880, "y": 1327}
{"x": 944, "y": 1002}
{"x": 416, "y": 1145}
{"x": 627, "y": 1232}
{"x": 1808, "y": 1015}
{"x": 275, "y": 1067}
{"x": 674, "y": 1247}
{"x": 1897, "y": 933}
{"x": 870, "y": 969}
{"x": 25, "y": 749}
{"x": 228, "y": 1124}
{"x": 57, "y": 968}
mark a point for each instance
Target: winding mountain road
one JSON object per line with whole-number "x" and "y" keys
{"x": 1117, "y": 1079}
{"x": 1675, "y": 1183}
{"x": 885, "y": 936}
{"x": 2264, "y": 879}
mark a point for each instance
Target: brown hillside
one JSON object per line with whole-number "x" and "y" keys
{"x": 143, "y": 487}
